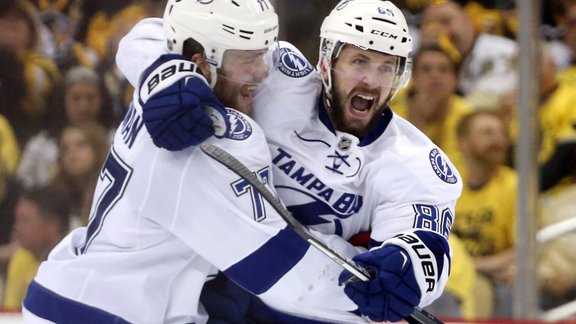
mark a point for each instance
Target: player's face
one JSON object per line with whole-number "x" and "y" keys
{"x": 487, "y": 140}
{"x": 362, "y": 81}
{"x": 240, "y": 73}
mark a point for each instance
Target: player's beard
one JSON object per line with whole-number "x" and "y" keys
{"x": 234, "y": 94}
{"x": 339, "y": 116}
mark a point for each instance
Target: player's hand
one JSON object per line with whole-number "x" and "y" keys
{"x": 174, "y": 98}
{"x": 392, "y": 293}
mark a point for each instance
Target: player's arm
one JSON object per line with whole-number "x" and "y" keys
{"x": 233, "y": 229}
{"x": 409, "y": 252}
{"x": 178, "y": 120}
{"x": 409, "y": 270}
{"x": 175, "y": 98}
{"x": 143, "y": 44}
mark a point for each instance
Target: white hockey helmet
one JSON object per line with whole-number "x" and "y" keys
{"x": 376, "y": 25}
{"x": 220, "y": 25}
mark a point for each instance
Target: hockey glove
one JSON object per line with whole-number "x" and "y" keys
{"x": 174, "y": 97}
{"x": 392, "y": 293}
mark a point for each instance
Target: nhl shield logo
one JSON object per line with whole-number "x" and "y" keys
{"x": 441, "y": 167}
{"x": 344, "y": 144}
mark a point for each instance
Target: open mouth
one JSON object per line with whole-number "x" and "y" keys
{"x": 361, "y": 104}
{"x": 247, "y": 91}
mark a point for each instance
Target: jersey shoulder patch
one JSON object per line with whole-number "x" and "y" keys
{"x": 292, "y": 63}
{"x": 441, "y": 167}
{"x": 240, "y": 127}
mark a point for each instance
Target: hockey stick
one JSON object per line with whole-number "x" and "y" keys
{"x": 418, "y": 316}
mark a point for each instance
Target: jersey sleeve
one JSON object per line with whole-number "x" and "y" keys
{"x": 415, "y": 210}
{"x": 218, "y": 215}
{"x": 143, "y": 44}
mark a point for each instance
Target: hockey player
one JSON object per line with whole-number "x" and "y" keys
{"x": 343, "y": 162}
{"x": 164, "y": 222}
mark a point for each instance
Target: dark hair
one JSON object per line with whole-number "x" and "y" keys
{"x": 13, "y": 90}
{"x": 28, "y": 12}
{"x": 12, "y": 82}
{"x": 52, "y": 203}
{"x": 56, "y": 118}
{"x": 436, "y": 49}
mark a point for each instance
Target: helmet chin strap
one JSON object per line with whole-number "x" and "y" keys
{"x": 213, "y": 75}
{"x": 332, "y": 54}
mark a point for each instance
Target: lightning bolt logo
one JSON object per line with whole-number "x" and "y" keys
{"x": 293, "y": 64}
{"x": 441, "y": 167}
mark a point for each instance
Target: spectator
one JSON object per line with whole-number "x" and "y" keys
{"x": 562, "y": 24}
{"x": 557, "y": 257}
{"x": 119, "y": 88}
{"x": 82, "y": 150}
{"x": 63, "y": 25}
{"x": 83, "y": 100}
{"x": 13, "y": 94}
{"x": 558, "y": 176}
{"x": 9, "y": 149}
{"x": 487, "y": 62}
{"x": 94, "y": 27}
{"x": 8, "y": 195}
{"x": 485, "y": 213}
{"x": 21, "y": 31}
{"x": 53, "y": 5}
{"x": 41, "y": 220}
{"x": 557, "y": 118}
{"x": 432, "y": 104}
{"x": 558, "y": 136}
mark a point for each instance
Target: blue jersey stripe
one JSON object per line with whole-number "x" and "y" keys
{"x": 48, "y": 305}
{"x": 264, "y": 267}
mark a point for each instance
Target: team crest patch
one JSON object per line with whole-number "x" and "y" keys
{"x": 240, "y": 128}
{"x": 441, "y": 167}
{"x": 292, "y": 64}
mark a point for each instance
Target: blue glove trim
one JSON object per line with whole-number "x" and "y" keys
{"x": 439, "y": 247}
{"x": 393, "y": 292}
{"x": 174, "y": 98}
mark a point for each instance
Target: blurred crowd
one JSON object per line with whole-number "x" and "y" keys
{"x": 61, "y": 98}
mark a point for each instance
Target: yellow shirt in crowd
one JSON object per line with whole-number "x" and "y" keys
{"x": 21, "y": 270}
{"x": 485, "y": 218}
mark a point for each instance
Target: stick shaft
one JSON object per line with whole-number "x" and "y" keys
{"x": 418, "y": 316}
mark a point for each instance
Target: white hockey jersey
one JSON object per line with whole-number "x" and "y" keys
{"x": 163, "y": 222}
{"x": 395, "y": 180}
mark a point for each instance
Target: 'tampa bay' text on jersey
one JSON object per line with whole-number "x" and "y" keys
{"x": 163, "y": 222}
{"x": 395, "y": 180}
